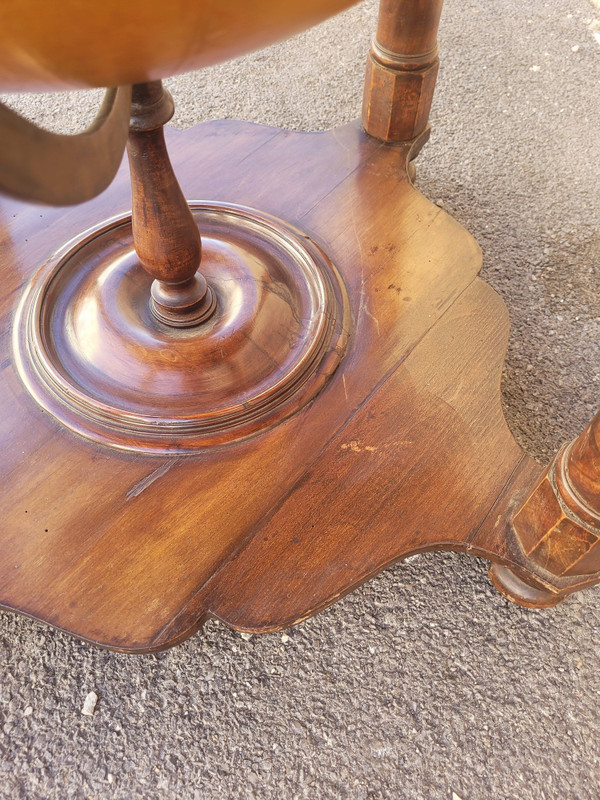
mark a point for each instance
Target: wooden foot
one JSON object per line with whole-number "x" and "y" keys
{"x": 402, "y": 68}
{"x": 522, "y": 590}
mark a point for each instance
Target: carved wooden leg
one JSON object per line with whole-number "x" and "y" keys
{"x": 558, "y": 527}
{"x": 402, "y": 68}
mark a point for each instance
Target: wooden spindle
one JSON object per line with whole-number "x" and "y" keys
{"x": 166, "y": 237}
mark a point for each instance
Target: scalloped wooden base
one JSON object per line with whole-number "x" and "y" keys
{"x": 404, "y": 450}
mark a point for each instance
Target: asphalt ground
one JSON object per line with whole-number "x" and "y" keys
{"x": 425, "y": 682}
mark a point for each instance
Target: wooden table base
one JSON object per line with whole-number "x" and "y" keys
{"x": 404, "y": 449}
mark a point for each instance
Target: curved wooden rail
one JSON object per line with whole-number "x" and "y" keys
{"x": 45, "y": 167}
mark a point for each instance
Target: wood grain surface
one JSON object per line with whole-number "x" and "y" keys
{"x": 406, "y": 449}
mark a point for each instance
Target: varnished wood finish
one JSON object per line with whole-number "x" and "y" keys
{"x": 77, "y": 44}
{"x": 45, "y": 167}
{"x": 402, "y": 68}
{"x": 404, "y": 450}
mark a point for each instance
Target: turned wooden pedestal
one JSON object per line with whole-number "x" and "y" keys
{"x": 243, "y": 396}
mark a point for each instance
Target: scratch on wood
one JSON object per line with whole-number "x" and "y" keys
{"x": 363, "y": 307}
{"x": 375, "y": 320}
{"x": 142, "y": 485}
{"x": 345, "y": 389}
{"x": 355, "y": 446}
{"x": 361, "y": 300}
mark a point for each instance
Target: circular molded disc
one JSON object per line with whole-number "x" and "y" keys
{"x": 91, "y": 352}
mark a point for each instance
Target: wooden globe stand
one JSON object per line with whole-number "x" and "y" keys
{"x": 243, "y": 408}
{"x": 122, "y": 338}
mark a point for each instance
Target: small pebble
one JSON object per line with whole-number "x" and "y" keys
{"x": 89, "y": 705}
{"x": 28, "y": 711}
{"x": 575, "y": 48}
{"x": 285, "y": 638}
{"x": 246, "y": 636}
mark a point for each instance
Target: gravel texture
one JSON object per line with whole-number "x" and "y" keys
{"x": 425, "y": 682}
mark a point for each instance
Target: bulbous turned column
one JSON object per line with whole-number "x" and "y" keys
{"x": 165, "y": 235}
{"x": 402, "y": 68}
{"x": 558, "y": 526}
